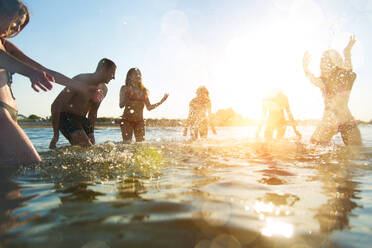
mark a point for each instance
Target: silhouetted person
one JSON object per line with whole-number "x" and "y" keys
{"x": 273, "y": 116}
{"x": 336, "y": 81}
{"x": 198, "y": 119}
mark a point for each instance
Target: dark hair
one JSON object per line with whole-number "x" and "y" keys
{"x": 128, "y": 80}
{"x": 19, "y": 13}
{"x": 105, "y": 64}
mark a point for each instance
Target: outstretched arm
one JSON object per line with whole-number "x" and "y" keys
{"x": 150, "y": 106}
{"x": 37, "y": 77}
{"x": 347, "y": 53}
{"x": 313, "y": 79}
{"x": 41, "y": 76}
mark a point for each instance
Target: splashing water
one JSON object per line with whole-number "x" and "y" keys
{"x": 228, "y": 191}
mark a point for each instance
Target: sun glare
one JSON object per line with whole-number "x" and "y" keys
{"x": 265, "y": 57}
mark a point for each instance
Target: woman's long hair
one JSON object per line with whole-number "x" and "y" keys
{"x": 19, "y": 14}
{"x": 203, "y": 94}
{"x": 330, "y": 60}
{"x": 129, "y": 80}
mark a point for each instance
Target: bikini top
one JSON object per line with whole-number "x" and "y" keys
{"x": 339, "y": 81}
{"x": 134, "y": 96}
{"x": 9, "y": 76}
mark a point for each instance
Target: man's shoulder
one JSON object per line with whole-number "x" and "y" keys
{"x": 84, "y": 77}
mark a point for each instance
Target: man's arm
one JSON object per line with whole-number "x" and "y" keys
{"x": 62, "y": 99}
{"x": 92, "y": 114}
{"x": 92, "y": 117}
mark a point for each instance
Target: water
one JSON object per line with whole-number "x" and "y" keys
{"x": 227, "y": 191}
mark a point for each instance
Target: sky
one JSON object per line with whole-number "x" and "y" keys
{"x": 240, "y": 50}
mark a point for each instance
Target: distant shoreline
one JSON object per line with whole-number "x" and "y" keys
{"x": 37, "y": 124}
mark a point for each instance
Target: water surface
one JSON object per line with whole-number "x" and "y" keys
{"x": 227, "y": 191}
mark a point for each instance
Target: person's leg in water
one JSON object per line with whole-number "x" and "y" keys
{"x": 350, "y": 134}
{"x": 139, "y": 131}
{"x": 194, "y": 131}
{"x": 126, "y": 131}
{"x": 325, "y": 130}
{"x": 203, "y": 129}
{"x": 74, "y": 130}
{"x": 80, "y": 138}
{"x": 280, "y": 131}
{"x": 268, "y": 134}
{"x": 15, "y": 146}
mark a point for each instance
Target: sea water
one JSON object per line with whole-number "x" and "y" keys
{"x": 230, "y": 190}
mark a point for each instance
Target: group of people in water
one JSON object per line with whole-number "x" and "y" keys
{"x": 74, "y": 111}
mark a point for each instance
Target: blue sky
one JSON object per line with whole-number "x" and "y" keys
{"x": 240, "y": 50}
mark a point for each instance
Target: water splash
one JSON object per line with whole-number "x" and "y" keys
{"x": 98, "y": 163}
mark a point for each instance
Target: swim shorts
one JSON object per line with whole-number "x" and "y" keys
{"x": 70, "y": 123}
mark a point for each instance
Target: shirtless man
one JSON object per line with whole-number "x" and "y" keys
{"x": 273, "y": 110}
{"x": 335, "y": 82}
{"x": 70, "y": 108}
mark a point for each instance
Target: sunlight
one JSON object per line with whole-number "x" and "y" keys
{"x": 277, "y": 228}
{"x": 261, "y": 207}
{"x": 261, "y": 58}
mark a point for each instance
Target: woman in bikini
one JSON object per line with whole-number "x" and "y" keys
{"x": 198, "y": 119}
{"x": 133, "y": 98}
{"x": 15, "y": 147}
{"x": 336, "y": 81}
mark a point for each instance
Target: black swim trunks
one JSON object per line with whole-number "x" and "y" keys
{"x": 69, "y": 123}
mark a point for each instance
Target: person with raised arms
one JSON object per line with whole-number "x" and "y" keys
{"x": 335, "y": 82}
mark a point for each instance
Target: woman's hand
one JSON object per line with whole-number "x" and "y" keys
{"x": 164, "y": 97}
{"x": 41, "y": 79}
{"x": 350, "y": 45}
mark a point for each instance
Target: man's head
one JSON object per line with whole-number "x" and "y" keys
{"x": 106, "y": 69}
{"x": 14, "y": 16}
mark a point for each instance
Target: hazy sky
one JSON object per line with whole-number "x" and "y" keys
{"x": 238, "y": 49}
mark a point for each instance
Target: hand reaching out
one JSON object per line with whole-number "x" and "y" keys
{"x": 42, "y": 80}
